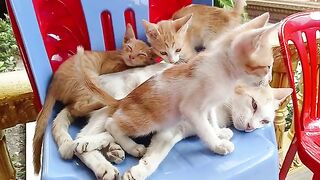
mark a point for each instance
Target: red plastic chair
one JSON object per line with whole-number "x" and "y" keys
{"x": 307, "y": 123}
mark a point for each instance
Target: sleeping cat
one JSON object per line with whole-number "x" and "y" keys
{"x": 67, "y": 87}
{"x": 192, "y": 26}
{"x": 255, "y": 105}
{"x": 188, "y": 91}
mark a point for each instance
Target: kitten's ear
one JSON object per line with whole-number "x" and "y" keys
{"x": 257, "y": 22}
{"x": 151, "y": 29}
{"x": 181, "y": 24}
{"x": 129, "y": 34}
{"x": 280, "y": 94}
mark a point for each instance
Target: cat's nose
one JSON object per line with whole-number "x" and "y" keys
{"x": 131, "y": 57}
{"x": 249, "y": 127}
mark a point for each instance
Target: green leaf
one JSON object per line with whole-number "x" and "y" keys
{"x": 1, "y": 63}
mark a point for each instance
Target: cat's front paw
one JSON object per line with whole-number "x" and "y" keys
{"x": 133, "y": 174}
{"x": 114, "y": 153}
{"x": 66, "y": 149}
{"x": 225, "y": 133}
{"x": 104, "y": 172}
{"x": 224, "y": 147}
{"x": 84, "y": 144}
{"x": 137, "y": 151}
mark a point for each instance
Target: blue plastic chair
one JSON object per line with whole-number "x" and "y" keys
{"x": 49, "y": 29}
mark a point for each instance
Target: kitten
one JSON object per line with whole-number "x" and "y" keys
{"x": 67, "y": 87}
{"x": 253, "y": 116}
{"x": 187, "y": 91}
{"x": 117, "y": 85}
{"x": 191, "y": 27}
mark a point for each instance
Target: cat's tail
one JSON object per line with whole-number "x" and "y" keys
{"x": 42, "y": 122}
{"x": 238, "y": 8}
{"x": 101, "y": 95}
{"x": 61, "y": 135}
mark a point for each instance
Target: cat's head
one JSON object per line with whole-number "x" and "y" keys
{"x": 251, "y": 49}
{"x": 254, "y": 107}
{"x": 134, "y": 51}
{"x": 167, "y": 37}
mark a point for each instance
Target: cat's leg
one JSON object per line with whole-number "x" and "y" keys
{"x": 131, "y": 147}
{"x": 204, "y": 130}
{"x": 94, "y": 137}
{"x": 223, "y": 133}
{"x": 102, "y": 168}
{"x": 83, "y": 108}
{"x": 61, "y": 135}
{"x": 161, "y": 144}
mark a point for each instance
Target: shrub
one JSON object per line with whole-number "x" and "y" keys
{"x": 9, "y": 51}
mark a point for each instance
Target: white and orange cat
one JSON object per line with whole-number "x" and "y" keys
{"x": 188, "y": 91}
{"x": 67, "y": 87}
{"x": 248, "y": 109}
{"x": 191, "y": 27}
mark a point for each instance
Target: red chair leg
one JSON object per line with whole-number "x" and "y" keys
{"x": 288, "y": 159}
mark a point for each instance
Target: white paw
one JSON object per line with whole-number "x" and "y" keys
{"x": 106, "y": 172}
{"x": 224, "y": 147}
{"x": 66, "y": 149}
{"x": 137, "y": 151}
{"x": 84, "y": 144}
{"x": 114, "y": 153}
{"x": 134, "y": 174}
{"x": 225, "y": 133}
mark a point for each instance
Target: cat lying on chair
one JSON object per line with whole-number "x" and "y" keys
{"x": 248, "y": 109}
{"x": 68, "y": 88}
{"x": 168, "y": 98}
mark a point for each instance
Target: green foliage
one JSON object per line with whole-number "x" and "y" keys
{"x": 8, "y": 47}
{"x": 224, "y": 3}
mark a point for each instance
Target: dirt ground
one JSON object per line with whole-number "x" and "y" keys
{"x": 16, "y": 140}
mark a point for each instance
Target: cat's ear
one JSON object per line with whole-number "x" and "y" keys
{"x": 181, "y": 25}
{"x": 129, "y": 34}
{"x": 151, "y": 29}
{"x": 280, "y": 94}
{"x": 258, "y": 22}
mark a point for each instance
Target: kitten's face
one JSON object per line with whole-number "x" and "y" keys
{"x": 136, "y": 52}
{"x": 254, "y": 107}
{"x": 251, "y": 49}
{"x": 167, "y": 37}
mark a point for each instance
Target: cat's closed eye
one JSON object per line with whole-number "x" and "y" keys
{"x": 178, "y": 50}
{"x": 142, "y": 54}
{"x": 130, "y": 48}
{"x": 264, "y": 121}
{"x": 163, "y": 53}
{"x": 254, "y": 105}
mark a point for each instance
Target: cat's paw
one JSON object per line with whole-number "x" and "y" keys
{"x": 104, "y": 172}
{"x": 225, "y": 133}
{"x": 138, "y": 150}
{"x": 66, "y": 149}
{"x": 114, "y": 153}
{"x": 84, "y": 144}
{"x": 133, "y": 174}
{"x": 224, "y": 147}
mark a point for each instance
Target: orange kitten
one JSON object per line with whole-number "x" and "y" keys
{"x": 67, "y": 87}
{"x": 187, "y": 91}
{"x": 191, "y": 27}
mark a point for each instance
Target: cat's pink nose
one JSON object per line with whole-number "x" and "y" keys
{"x": 249, "y": 127}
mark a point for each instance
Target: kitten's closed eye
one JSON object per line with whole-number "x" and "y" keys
{"x": 142, "y": 54}
{"x": 178, "y": 50}
{"x": 130, "y": 48}
{"x": 254, "y": 105}
{"x": 163, "y": 53}
{"x": 264, "y": 121}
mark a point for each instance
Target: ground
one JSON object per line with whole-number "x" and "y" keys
{"x": 16, "y": 141}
